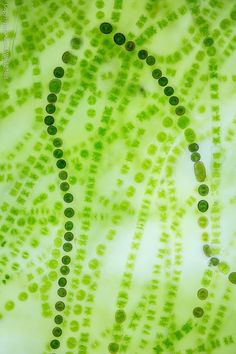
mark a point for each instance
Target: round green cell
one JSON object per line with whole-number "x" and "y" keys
{"x": 106, "y": 28}
{"x": 50, "y": 108}
{"x": 173, "y": 100}
{"x": 207, "y": 250}
{"x": 113, "y": 348}
{"x": 203, "y": 222}
{"x": 64, "y": 270}
{"x": 52, "y": 130}
{"x": 214, "y": 261}
{"x": 9, "y": 305}
{"x": 55, "y": 85}
{"x": 68, "y": 236}
{"x": 61, "y": 292}
{"x": 190, "y": 135}
{"x": 57, "y": 142}
{"x": 150, "y": 60}
{"x": 63, "y": 175}
{"x": 66, "y": 260}
{"x": 142, "y": 54}
{"x": 130, "y": 46}
{"x": 195, "y": 156}
{"x": 61, "y": 163}
{"x": 49, "y": 120}
{"x": 69, "y": 58}
{"x": 57, "y": 332}
{"x": 208, "y": 41}
{"x": 57, "y": 153}
{"x": 180, "y": 110}
{"x": 59, "y": 306}
{"x": 52, "y": 98}
{"x": 202, "y": 294}
{"x": 23, "y": 296}
{"x": 168, "y": 90}
{"x": 67, "y": 247}
{"x": 75, "y": 43}
{"x": 69, "y": 225}
{"x": 54, "y": 344}
{"x": 62, "y": 281}
{"x": 183, "y": 122}
{"x": 119, "y": 38}
{"x": 202, "y": 206}
{"x": 233, "y": 15}
{"x": 232, "y": 277}
{"x": 58, "y": 72}
{"x": 163, "y": 81}
{"x": 203, "y": 189}
{"x": 120, "y": 316}
{"x": 68, "y": 198}
{"x": 193, "y": 147}
{"x": 69, "y": 212}
{"x": 198, "y": 312}
{"x": 64, "y": 186}
{"x": 58, "y": 319}
{"x": 156, "y": 74}
{"x": 161, "y": 136}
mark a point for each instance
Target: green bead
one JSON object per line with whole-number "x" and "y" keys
{"x": 163, "y": 81}
{"x": 156, "y": 74}
{"x": 66, "y": 260}
{"x": 203, "y": 189}
{"x": 232, "y": 277}
{"x": 214, "y": 261}
{"x": 113, "y": 348}
{"x": 130, "y": 46}
{"x": 68, "y": 198}
{"x": 75, "y": 43}
{"x": 59, "y": 306}
{"x": 150, "y": 60}
{"x": 106, "y": 28}
{"x": 202, "y": 206}
{"x": 202, "y": 294}
{"x": 61, "y": 292}
{"x": 195, "y": 156}
{"x": 168, "y": 90}
{"x": 58, "y": 319}
{"x": 54, "y": 344}
{"x": 68, "y": 236}
{"x": 119, "y": 38}
{"x": 58, "y": 153}
{"x": 193, "y": 147}
{"x": 50, "y": 108}
{"x": 173, "y": 100}
{"x": 57, "y": 332}
{"x": 120, "y": 316}
{"x": 142, "y": 54}
{"x": 61, "y": 163}
{"x": 58, "y": 72}
{"x": 52, "y": 130}
{"x": 67, "y": 247}
{"x": 62, "y": 281}
{"x": 64, "y": 186}
{"x": 57, "y": 142}
{"x": 198, "y": 312}
{"x": 48, "y": 120}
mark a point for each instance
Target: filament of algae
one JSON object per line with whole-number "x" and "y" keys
{"x": 117, "y": 177}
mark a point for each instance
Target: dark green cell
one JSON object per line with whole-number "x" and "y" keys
{"x": 65, "y": 270}
{"x": 233, "y": 15}
{"x": 69, "y": 58}
{"x": 142, "y": 54}
{"x": 75, "y": 43}
{"x": 130, "y": 46}
{"x": 69, "y": 212}
{"x": 63, "y": 175}
{"x": 200, "y": 171}
{"x": 202, "y": 294}
{"x": 163, "y": 81}
{"x": 168, "y": 90}
{"x": 180, "y": 110}
{"x": 58, "y": 319}
{"x": 64, "y": 186}
{"x": 52, "y": 130}
{"x": 214, "y": 261}
{"x": 62, "y": 281}
{"x": 50, "y": 108}
{"x": 173, "y": 100}
{"x": 68, "y": 198}
{"x": 55, "y": 85}
{"x": 150, "y": 60}
{"x": 203, "y": 189}
{"x": 195, "y": 156}
{"x": 61, "y": 163}
{"x": 69, "y": 225}
{"x": 52, "y": 98}
{"x": 68, "y": 236}
{"x": 106, "y": 28}
{"x": 232, "y": 277}
{"x": 67, "y": 247}
{"x": 57, "y": 153}
{"x": 57, "y": 332}
{"x": 119, "y": 38}
{"x": 202, "y": 206}
{"x": 54, "y": 344}
{"x": 58, "y": 72}
{"x": 59, "y": 306}
{"x": 193, "y": 147}
{"x": 198, "y": 312}
{"x": 156, "y": 74}
{"x": 207, "y": 250}
{"x": 61, "y": 292}
{"x": 113, "y": 348}
{"x": 208, "y": 41}
{"x": 49, "y": 120}
{"x": 57, "y": 142}
{"x": 120, "y": 316}
{"x": 66, "y": 260}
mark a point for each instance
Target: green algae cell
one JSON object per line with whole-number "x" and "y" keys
{"x": 200, "y": 171}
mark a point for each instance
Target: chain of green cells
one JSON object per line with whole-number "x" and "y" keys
{"x": 32, "y": 221}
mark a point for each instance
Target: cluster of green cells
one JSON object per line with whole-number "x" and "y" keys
{"x": 112, "y": 239}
